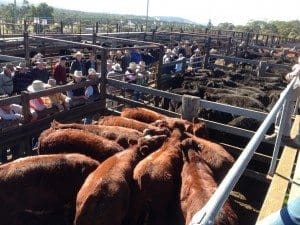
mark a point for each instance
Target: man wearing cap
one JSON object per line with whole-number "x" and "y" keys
{"x": 6, "y": 80}
{"x": 60, "y": 73}
{"x": 39, "y": 72}
{"x": 77, "y": 64}
{"x": 22, "y": 78}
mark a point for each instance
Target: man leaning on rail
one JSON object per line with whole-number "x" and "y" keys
{"x": 286, "y": 128}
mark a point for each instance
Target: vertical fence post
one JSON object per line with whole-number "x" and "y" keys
{"x": 25, "y": 26}
{"x": 61, "y": 27}
{"x": 94, "y": 42}
{"x": 160, "y": 65}
{"x": 256, "y": 39}
{"x": 207, "y": 49}
{"x": 228, "y": 46}
{"x": 80, "y": 27}
{"x": 190, "y": 107}
{"x": 26, "y": 47}
{"x": 97, "y": 27}
{"x": 283, "y": 120}
{"x": 159, "y": 73}
{"x": 267, "y": 39}
{"x": 261, "y": 68}
{"x": 25, "y": 106}
{"x": 103, "y": 78}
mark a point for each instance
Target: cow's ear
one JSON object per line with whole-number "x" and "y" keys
{"x": 196, "y": 120}
{"x": 144, "y": 150}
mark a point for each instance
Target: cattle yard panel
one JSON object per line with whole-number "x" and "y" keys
{"x": 232, "y": 177}
{"x": 208, "y": 213}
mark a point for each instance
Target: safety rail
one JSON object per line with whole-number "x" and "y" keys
{"x": 208, "y": 213}
{"x": 178, "y": 98}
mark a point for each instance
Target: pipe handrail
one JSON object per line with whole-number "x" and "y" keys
{"x": 208, "y": 213}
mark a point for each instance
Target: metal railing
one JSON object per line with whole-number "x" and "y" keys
{"x": 207, "y": 214}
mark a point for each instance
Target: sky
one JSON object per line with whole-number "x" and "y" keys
{"x": 238, "y": 12}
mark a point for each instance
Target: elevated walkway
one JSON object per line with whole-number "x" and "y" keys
{"x": 285, "y": 185}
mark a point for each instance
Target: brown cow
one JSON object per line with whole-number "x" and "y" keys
{"x": 104, "y": 198}
{"x": 197, "y": 127}
{"x": 78, "y": 141}
{"x": 157, "y": 180}
{"x": 130, "y": 123}
{"x": 197, "y": 187}
{"x": 110, "y": 132}
{"x": 34, "y": 189}
{"x": 142, "y": 114}
{"x": 217, "y": 158}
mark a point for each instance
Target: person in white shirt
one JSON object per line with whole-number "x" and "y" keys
{"x": 286, "y": 128}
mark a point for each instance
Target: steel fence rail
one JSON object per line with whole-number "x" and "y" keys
{"x": 208, "y": 213}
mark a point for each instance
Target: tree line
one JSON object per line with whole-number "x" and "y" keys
{"x": 9, "y": 13}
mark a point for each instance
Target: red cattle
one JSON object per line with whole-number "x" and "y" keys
{"x": 157, "y": 180}
{"x": 217, "y": 158}
{"x": 196, "y": 127}
{"x": 104, "y": 198}
{"x": 110, "y": 132}
{"x": 142, "y": 114}
{"x": 34, "y": 189}
{"x": 77, "y": 141}
{"x": 197, "y": 186}
{"x": 129, "y": 123}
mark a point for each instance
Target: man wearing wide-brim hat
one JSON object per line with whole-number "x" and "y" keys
{"x": 6, "y": 79}
{"x": 22, "y": 78}
{"x": 39, "y": 72}
{"x": 77, "y": 95}
{"x": 77, "y": 64}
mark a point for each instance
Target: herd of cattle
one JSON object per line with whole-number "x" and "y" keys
{"x": 137, "y": 168}
{"x": 237, "y": 87}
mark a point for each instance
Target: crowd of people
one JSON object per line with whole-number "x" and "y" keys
{"x": 127, "y": 66}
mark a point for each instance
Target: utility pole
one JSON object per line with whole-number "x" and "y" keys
{"x": 147, "y": 15}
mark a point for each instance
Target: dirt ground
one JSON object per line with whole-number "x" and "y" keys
{"x": 247, "y": 199}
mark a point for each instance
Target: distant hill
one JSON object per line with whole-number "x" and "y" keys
{"x": 65, "y": 13}
{"x": 174, "y": 19}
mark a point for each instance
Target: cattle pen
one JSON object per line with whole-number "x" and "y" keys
{"x": 280, "y": 170}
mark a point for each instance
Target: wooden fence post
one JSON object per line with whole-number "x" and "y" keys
{"x": 190, "y": 107}
{"x": 25, "y": 26}
{"x": 159, "y": 73}
{"x": 26, "y": 48}
{"x": 61, "y": 27}
{"x": 267, "y": 39}
{"x": 207, "y": 50}
{"x": 247, "y": 41}
{"x": 97, "y": 27}
{"x": 25, "y": 106}
{"x": 160, "y": 65}
{"x": 256, "y": 39}
{"x": 261, "y": 68}
{"x": 80, "y": 29}
{"x": 94, "y": 42}
{"x": 103, "y": 78}
{"x": 228, "y": 46}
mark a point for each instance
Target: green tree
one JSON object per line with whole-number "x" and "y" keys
{"x": 226, "y": 26}
{"x": 43, "y": 10}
